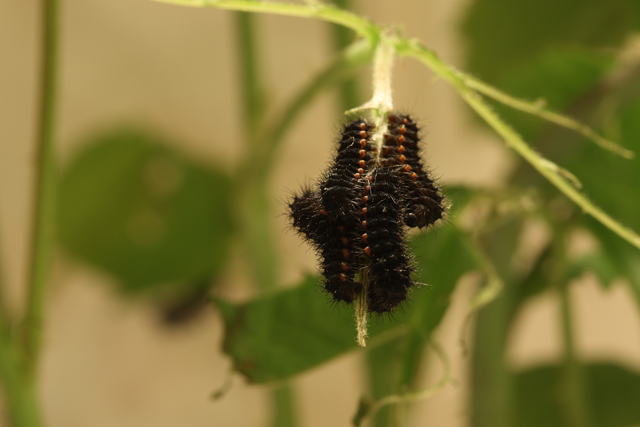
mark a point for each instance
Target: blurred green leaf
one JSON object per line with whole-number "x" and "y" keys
{"x": 139, "y": 210}
{"x": 597, "y": 262}
{"x": 614, "y": 393}
{"x": 504, "y": 34}
{"x": 283, "y": 334}
{"x": 557, "y": 76}
{"x": 443, "y": 256}
{"x": 492, "y": 396}
{"x": 286, "y": 333}
{"x": 612, "y": 183}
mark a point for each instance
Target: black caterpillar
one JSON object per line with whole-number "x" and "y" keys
{"x": 356, "y": 219}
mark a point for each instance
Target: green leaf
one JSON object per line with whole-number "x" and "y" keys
{"x": 443, "y": 256}
{"x": 556, "y": 76}
{"x": 597, "y": 262}
{"x": 612, "y": 183}
{"x": 503, "y": 34}
{"x": 286, "y": 333}
{"x": 283, "y": 334}
{"x": 139, "y": 210}
{"x": 614, "y": 393}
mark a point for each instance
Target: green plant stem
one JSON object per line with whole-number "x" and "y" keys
{"x": 19, "y": 392}
{"x": 252, "y": 90}
{"x": 413, "y": 48}
{"x": 19, "y": 355}
{"x": 353, "y": 57}
{"x": 284, "y": 414}
{"x": 4, "y": 316}
{"x": 342, "y": 37}
{"x": 318, "y": 10}
{"x": 539, "y": 110}
{"x": 369, "y": 408}
{"x": 492, "y": 396}
{"x": 545, "y": 167}
{"x": 378, "y": 107}
{"x": 573, "y": 397}
{"x": 43, "y": 229}
{"x": 257, "y": 230}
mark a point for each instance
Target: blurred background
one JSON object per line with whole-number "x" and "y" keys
{"x": 136, "y": 72}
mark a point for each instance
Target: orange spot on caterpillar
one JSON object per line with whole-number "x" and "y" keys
{"x": 414, "y": 176}
{"x": 364, "y": 237}
{"x": 364, "y": 212}
{"x": 363, "y": 126}
{"x": 401, "y": 149}
{"x": 401, "y": 159}
{"x": 365, "y": 199}
{"x": 362, "y": 154}
{"x": 407, "y": 168}
{"x": 363, "y": 134}
{"x": 402, "y": 130}
{"x": 345, "y": 241}
{"x": 345, "y": 254}
{"x": 357, "y": 176}
{"x": 367, "y": 251}
{"x": 343, "y": 277}
{"x": 363, "y": 143}
{"x": 345, "y": 266}
{"x": 362, "y": 163}
{"x": 360, "y": 170}
{"x": 324, "y": 212}
{"x": 401, "y": 139}
{"x": 364, "y": 224}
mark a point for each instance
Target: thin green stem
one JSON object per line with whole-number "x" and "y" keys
{"x": 362, "y": 319}
{"x": 413, "y": 396}
{"x": 538, "y": 109}
{"x": 574, "y": 400}
{"x": 379, "y": 106}
{"x": 19, "y": 392}
{"x": 257, "y": 230}
{"x": 342, "y": 37}
{"x": 284, "y": 408}
{"x": 4, "y": 316}
{"x": 381, "y": 102}
{"x": 19, "y": 357}
{"x": 353, "y": 57}
{"x": 318, "y": 10}
{"x": 369, "y": 408}
{"x": 489, "y": 292}
{"x": 491, "y": 399}
{"x": 252, "y": 91}
{"x": 556, "y": 175}
{"x": 545, "y": 167}
{"x": 43, "y": 229}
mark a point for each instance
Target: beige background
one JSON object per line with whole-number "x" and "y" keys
{"x": 109, "y": 363}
